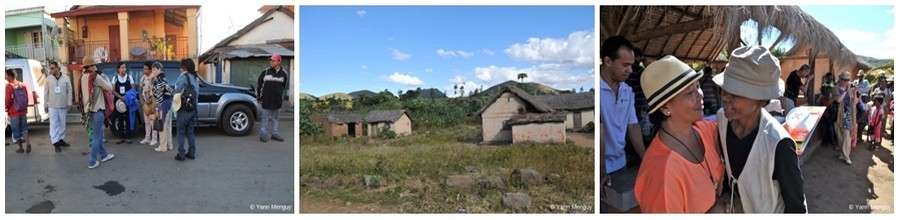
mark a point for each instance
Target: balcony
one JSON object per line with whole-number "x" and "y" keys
{"x": 138, "y": 49}
{"x": 31, "y": 51}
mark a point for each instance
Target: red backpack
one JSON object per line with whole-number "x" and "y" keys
{"x": 109, "y": 106}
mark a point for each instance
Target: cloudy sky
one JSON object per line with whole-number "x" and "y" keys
{"x": 348, "y": 48}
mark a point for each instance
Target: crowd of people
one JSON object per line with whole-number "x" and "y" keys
{"x": 123, "y": 102}
{"x": 744, "y": 160}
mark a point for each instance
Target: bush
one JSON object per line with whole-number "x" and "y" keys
{"x": 307, "y": 127}
{"x": 385, "y": 133}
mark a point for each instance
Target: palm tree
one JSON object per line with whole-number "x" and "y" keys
{"x": 522, "y": 77}
{"x": 455, "y": 87}
{"x": 462, "y": 90}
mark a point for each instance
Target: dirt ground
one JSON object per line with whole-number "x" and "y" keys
{"x": 582, "y": 139}
{"x": 867, "y": 186}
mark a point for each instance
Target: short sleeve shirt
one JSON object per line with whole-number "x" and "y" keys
{"x": 617, "y": 114}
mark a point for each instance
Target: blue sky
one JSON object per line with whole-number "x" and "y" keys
{"x": 866, "y": 30}
{"x": 349, "y": 48}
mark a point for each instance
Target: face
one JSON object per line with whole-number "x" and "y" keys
{"x": 54, "y": 69}
{"x": 147, "y": 70}
{"x": 121, "y": 70}
{"x": 92, "y": 68}
{"x": 803, "y": 73}
{"x": 737, "y": 107}
{"x": 621, "y": 67}
{"x": 274, "y": 63}
{"x": 686, "y": 106}
{"x": 155, "y": 71}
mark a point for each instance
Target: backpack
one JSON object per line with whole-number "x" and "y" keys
{"x": 109, "y": 105}
{"x": 20, "y": 98}
{"x": 188, "y": 96}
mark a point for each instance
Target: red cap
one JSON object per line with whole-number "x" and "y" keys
{"x": 276, "y": 57}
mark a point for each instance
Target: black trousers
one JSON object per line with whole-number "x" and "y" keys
{"x": 123, "y": 125}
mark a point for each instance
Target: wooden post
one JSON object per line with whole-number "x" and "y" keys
{"x": 811, "y": 81}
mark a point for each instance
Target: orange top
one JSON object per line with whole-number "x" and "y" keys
{"x": 669, "y": 183}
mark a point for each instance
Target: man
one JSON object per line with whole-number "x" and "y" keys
{"x": 271, "y": 84}
{"x": 93, "y": 84}
{"x": 617, "y": 106}
{"x": 710, "y": 92}
{"x": 793, "y": 86}
{"x": 640, "y": 101}
{"x": 17, "y": 110}
{"x": 57, "y": 101}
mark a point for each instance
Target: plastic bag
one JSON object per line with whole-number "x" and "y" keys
{"x": 798, "y": 124}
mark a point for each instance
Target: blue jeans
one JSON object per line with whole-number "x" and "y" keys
{"x": 269, "y": 117}
{"x": 97, "y": 119}
{"x": 185, "y": 127}
{"x": 19, "y": 126}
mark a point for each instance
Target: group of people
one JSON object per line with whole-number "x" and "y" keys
{"x": 119, "y": 99}
{"x": 745, "y": 161}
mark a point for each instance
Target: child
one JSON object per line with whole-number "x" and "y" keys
{"x": 875, "y": 114}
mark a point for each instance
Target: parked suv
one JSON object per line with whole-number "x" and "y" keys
{"x": 231, "y": 108}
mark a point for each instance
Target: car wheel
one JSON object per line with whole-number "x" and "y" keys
{"x": 237, "y": 120}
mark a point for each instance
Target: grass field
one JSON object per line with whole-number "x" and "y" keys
{"x": 413, "y": 169}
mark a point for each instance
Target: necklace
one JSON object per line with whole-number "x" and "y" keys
{"x": 715, "y": 184}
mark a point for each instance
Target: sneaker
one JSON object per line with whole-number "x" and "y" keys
{"x": 108, "y": 157}
{"x": 277, "y": 138}
{"x": 63, "y": 143}
{"x": 145, "y": 141}
{"x": 848, "y": 162}
{"x": 179, "y": 157}
{"x": 95, "y": 165}
{"x": 189, "y": 156}
{"x": 153, "y": 142}
{"x": 160, "y": 149}
{"x": 263, "y": 139}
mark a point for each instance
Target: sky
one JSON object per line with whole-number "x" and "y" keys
{"x": 349, "y": 48}
{"x": 866, "y": 30}
{"x": 217, "y": 21}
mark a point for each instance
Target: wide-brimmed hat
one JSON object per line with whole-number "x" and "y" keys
{"x": 88, "y": 61}
{"x": 121, "y": 107}
{"x": 664, "y": 79}
{"x": 845, "y": 75}
{"x": 176, "y": 101}
{"x": 752, "y": 72}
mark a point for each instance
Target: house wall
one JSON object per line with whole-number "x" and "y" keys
{"x": 494, "y": 118}
{"x": 539, "y": 133}
{"x": 280, "y": 27}
{"x": 374, "y": 127}
{"x": 402, "y": 126}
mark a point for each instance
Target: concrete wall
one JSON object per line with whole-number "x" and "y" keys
{"x": 539, "y": 133}
{"x": 495, "y": 116}
{"x": 402, "y": 126}
{"x": 280, "y": 27}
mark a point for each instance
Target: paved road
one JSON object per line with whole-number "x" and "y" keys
{"x": 230, "y": 175}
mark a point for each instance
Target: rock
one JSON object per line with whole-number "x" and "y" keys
{"x": 471, "y": 169}
{"x": 333, "y": 182}
{"x": 372, "y": 181}
{"x": 526, "y": 177}
{"x": 310, "y": 181}
{"x": 495, "y": 182}
{"x": 552, "y": 178}
{"x": 518, "y": 202}
{"x": 459, "y": 181}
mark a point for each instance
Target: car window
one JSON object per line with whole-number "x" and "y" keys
{"x": 18, "y": 74}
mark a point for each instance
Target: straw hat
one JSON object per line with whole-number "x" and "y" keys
{"x": 88, "y": 61}
{"x": 752, "y": 72}
{"x": 121, "y": 107}
{"x": 176, "y": 102}
{"x": 666, "y": 78}
{"x": 845, "y": 75}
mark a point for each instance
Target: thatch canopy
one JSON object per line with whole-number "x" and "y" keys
{"x": 528, "y": 118}
{"x": 344, "y": 118}
{"x": 534, "y": 104}
{"x": 699, "y": 33}
{"x": 375, "y": 116}
{"x": 568, "y": 101}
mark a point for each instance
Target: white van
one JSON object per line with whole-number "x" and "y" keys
{"x": 33, "y": 74}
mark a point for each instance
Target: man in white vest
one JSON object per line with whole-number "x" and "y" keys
{"x": 761, "y": 164}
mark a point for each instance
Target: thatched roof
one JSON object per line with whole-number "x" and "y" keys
{"x": 568, "y": 101}
{"x": 699, "y": 33}
{"x": 534, "y": 104}
{"x": 528, "y": 118}
{"x": 344, "y": 118}
{"x": 384, "y": 115}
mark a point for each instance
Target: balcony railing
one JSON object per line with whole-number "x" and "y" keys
{"x": 31, "y": 51}
{"x": 139, "y": 49}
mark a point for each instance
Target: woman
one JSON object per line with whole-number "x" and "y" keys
{"x": 682, "y": 170}
{"x": 187, "y": 118}
{"x": 163, "y": 95}
{"x": 122, "y": 82}
{"x": 147, "y": 83}
{"x": 761, "y": 163}
{"x": 846, "y": 115}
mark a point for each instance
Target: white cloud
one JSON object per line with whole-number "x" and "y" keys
{"x": 878, "y": 45}
{"x": 364, "y": 67}
{"x": 361, "y": 13}
{"x": 398, "y": 55}
{"x": 428, "y": 70}
{"x": 449, "y": 53}
{"x": 468, "y": 86}
{"x": 559, "y": 76}
{"x": 457, "y": 79}
{"x": 390, "y": 38}
{"x": 577, "y": 48}
{"x": 487, "y": 52}
{"x": 856, "y": 35}
{"x": 404, "y": 79}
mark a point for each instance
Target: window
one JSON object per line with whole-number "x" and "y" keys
{"x": 37, "y": 39}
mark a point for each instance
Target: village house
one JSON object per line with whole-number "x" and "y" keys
{"x": 30, "y": 33}
{"x": 394, "y": 120}
{"x": 239, "y": 58}
{"x": 514, "y": 116}
{"x": 579, "y": 107}
{"x": 341, "y": 124}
